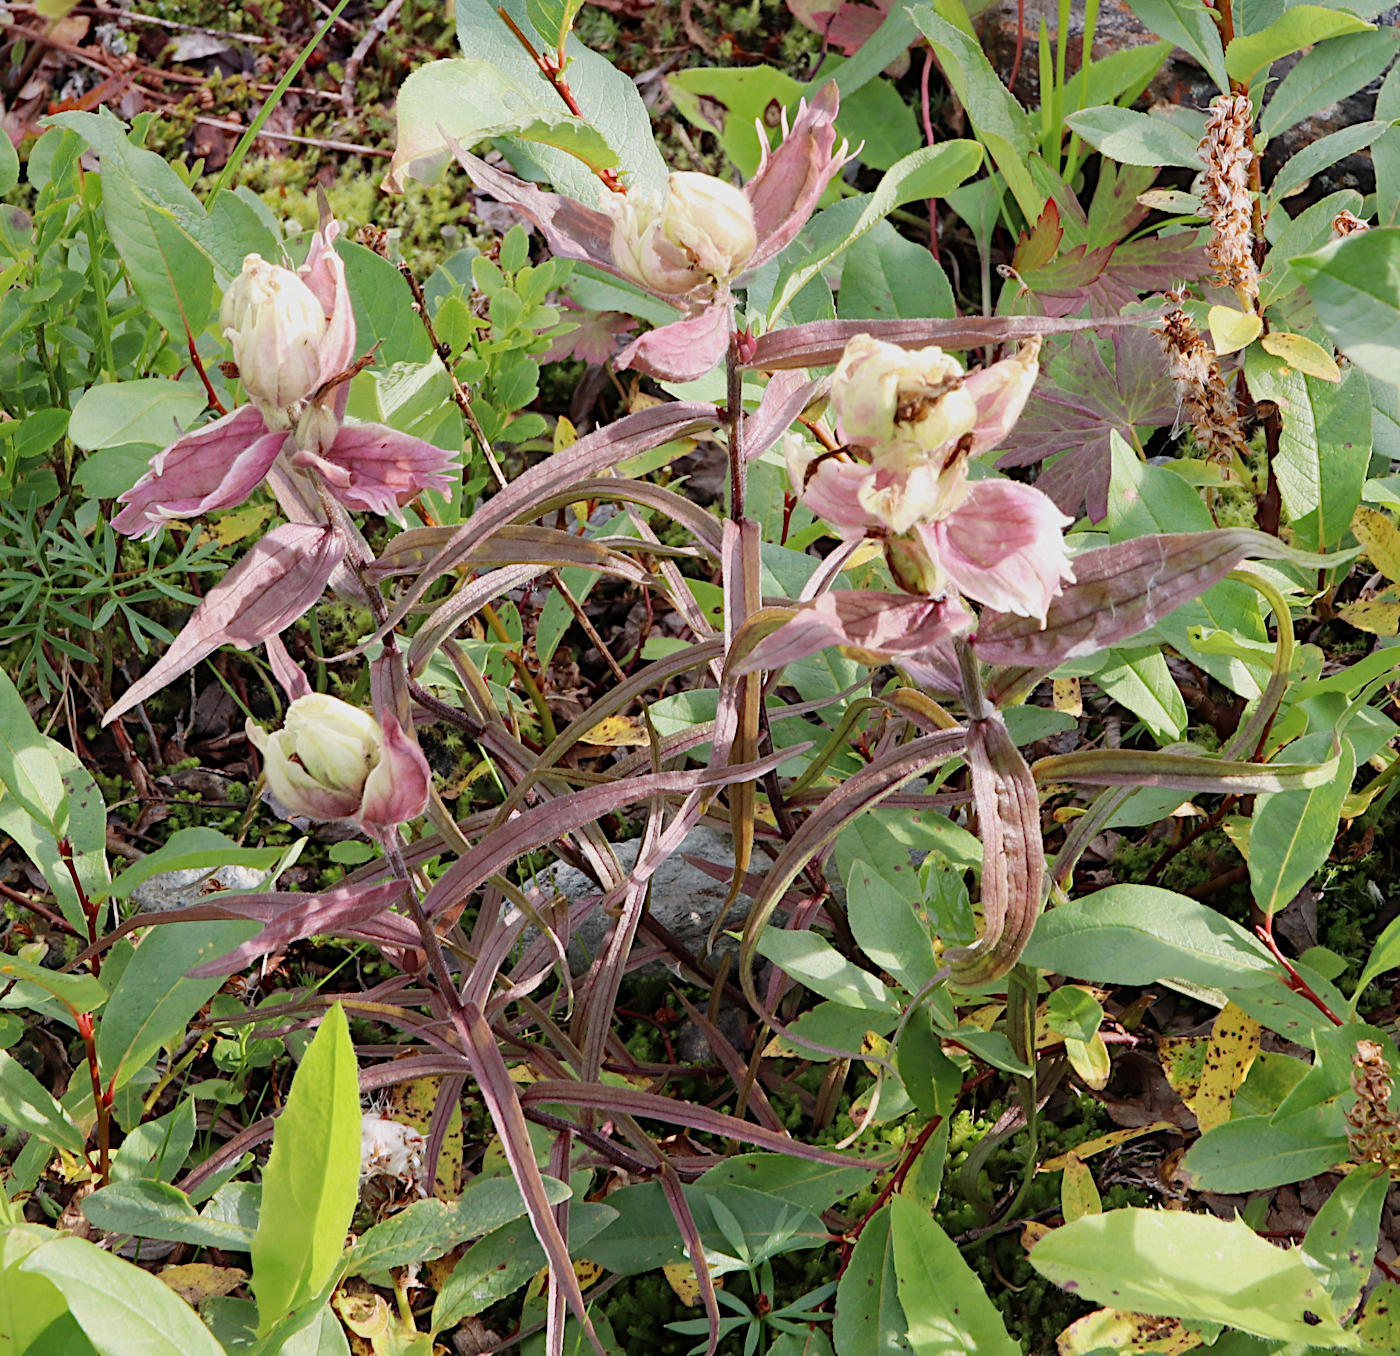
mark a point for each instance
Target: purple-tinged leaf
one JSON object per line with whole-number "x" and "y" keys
{"x": 1078, "y": 403}
{"x": 653, "y": 1106}
{"x": 684, "y": 350}
{"x": 279, "y": 580}
{"x": 512, "y": 545}
{"x": 1122, "y": 589}
{"x": 820, "y": 343}
{"x": 542, "y": 824}
{"x": 1182, "y": 771}
{"x": 787, "y": 394}
{"x": 627, "y": 437}
{"x": 1013, "y": 854}
{"x": 295, "y": 916}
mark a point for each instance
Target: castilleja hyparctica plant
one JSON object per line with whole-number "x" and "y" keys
{"x": 999, "y": 570}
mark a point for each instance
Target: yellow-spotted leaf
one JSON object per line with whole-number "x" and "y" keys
{"x": 617, "y": 732}
{"x": 1078, "y": 1194}
{"x": 1232, "y": 330}
{"x": 1066, "y": 697}
{"x": 565, "y": 434}
{"x": 1032, "y": 1231}
{"x": 1118, "y": 1330}
{"x": 1233, "y": 1045}
{"x": 1380, "y": 540}
{"x": 198, "y": 1281}
{"x": 1299, "y": 352}
{"x": 1112, "y": 1140}
{"x": 1183, "y": 1060}
{"x": 681, "y": 1277}
{"x": 1379, "y": 616}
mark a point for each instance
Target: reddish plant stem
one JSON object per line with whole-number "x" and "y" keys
{"x": 1295, "y": 981}
{"x": 848, "y": 1242}
{"x": 215, "y": 403}
{"x": 552, "y": 68}
{"x": 101, "y": 1101}
{"x": 1020, "y": 44}
{"x": 929, "y": 139}
{"x": 90, "y": 910}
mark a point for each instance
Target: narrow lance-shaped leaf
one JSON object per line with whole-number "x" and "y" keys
{"x": 1184, "y": 772}
{"x": 1013, "y": 857}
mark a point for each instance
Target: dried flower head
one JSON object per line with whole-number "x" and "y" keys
{"x": 1227, "y": 150}
{"x": 1373, "y": 1129}
{"x": 1204, "y": 395}
{"x": 391, "y": 1149}
{"x": 1345, "y": 224}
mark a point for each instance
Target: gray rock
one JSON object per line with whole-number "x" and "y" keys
{"x": 684, "y": 899}
{"x": 176, "y": 889}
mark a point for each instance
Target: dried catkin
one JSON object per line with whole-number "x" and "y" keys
{"x": 1373, "y": 1129}
{"x": 1205, "y": 398}
{"x": 1228, "y": 153}
{"x": 1345, "y": 224}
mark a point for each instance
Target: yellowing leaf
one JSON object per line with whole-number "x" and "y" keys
{"x": 1232, "y": 330}
{"x": 862, "y": 555}
{"x": 565, "y": 434}
{"x": 1089, "y": 1059}
{"x": 198, "y": 1281}
{"x": 238, "y": 524}
{"x": 617, "y": 732}
{"x": 1381, "y": 616}
{"x": 1234, "y": 1042}
{"x": 1380, "y": 539}
{"x": 1118, "y": 1330}
{"x": 681, "y": 1277}
{"x": 1065, "y": 696}
{"x": 1032, "y": 1231}
{"x": 1112, "y": 1140}
{"x": 1300, "y": 352}
{"x": 1078, "y": 1194}
{"x": 1183, "y": 1058}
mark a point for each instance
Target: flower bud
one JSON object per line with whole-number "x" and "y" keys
{"x": 905, "y": 401}
{"x": 275, "y": 324}
{"x": 322, "y": 762}
{"x": 702, "y": 231}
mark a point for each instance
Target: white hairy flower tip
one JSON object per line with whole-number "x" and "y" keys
{"x": 1227, "y": 151}
{"x": 702, "y": 231}
{"x": 275, "y": 325}
{"x": 389, "y": 1148}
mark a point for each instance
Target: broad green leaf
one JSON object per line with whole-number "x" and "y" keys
{"x": 152, "y": 410}
{"x": 311, "y": 1181}
{"x": 186, "y": 849}
{"x": 155, "y": 223}
{"x": 553, "y": 19}
{"x": 817, "y": 964}
{"x": 148, "y": 1209}
{"x": 891, "y": 924}
{"x": 427, "y": 1229}
{"x": 465, "y": 101}
{"x": 948, "y": 1311}
{"x": 728, "y": 100}
{"x": 1073, "y": 1012}
{"x": 153, "y": 1001}
{"x": 1379, "y": 1328}
{"x": 1322, "y": 154}
{"x": 1331, "y": 72}
{"x": 1190, "y": 1266}
{"x": 1139, "y": 934}
{"x": 82, "y": 993}
{"x": 28, "y": 770}
{"x": 1190, "y": 25}
{"x": 33, "y": 1315}
{"x": 930, "y": 1077}
{"x": 609, "y": 100}
{"x": 1341, "y": 1241}
{"x": 29, "y": 1106}
{"x": 156, "y": 1149}
{"x": 504, "y": 1260}
{"x": 9, "y": 167}
{"x": 926, "y": 173}
{"x": 834, "y": 1026}
{"x": 795, "y": 1181}
{"x": 1141, "y": 681}
{"x": 1355, "y": 286}
{"x": 885, "y": 276}
{"x": 1299, "y": 27}
{"x": 1324, "y": 447}
{"x": 1292, "y": 832}
{"x": 1003, "y": 126}
{"x": 869, "y": 1317}
{"x": 123, "y": 1310}
{"x": 1135, "y": 138}
{"x": 381, "y": 318}
{"x": 1256, "y": 1153}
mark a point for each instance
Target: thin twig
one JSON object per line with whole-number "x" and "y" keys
{"x": 375, "y": 31}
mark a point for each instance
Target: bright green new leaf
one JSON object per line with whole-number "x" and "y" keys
{"x": 151, "y": 410}
{"x": 1191, "y": 1266}
{"x": 948, "y": 1311}
{"x": 82, "y": 993}
{"x": 1135, "y": 138}
{"x": 817, "y": 964}
{"x": 28, "y": 771}
{"x": 466, "y": 101}
{"x": 553, "y": 19}
{"x": 1296, "y": 28}
{"x": 311, "y": 1181}
{"x": 123, "y": 1310}
{"x": 728, "y": 100}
